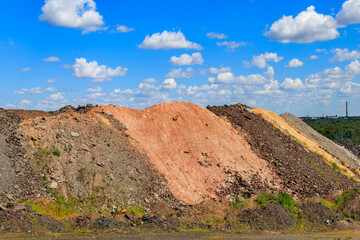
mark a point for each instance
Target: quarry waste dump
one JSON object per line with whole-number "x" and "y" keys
{"x": 166, "y": 166}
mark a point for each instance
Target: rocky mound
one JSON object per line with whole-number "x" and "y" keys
{"x": 304, "y": 140}
{"x": 18, "y": 179}
{"x": 86, "y": 156}
{"x": 303, "y": 173}
{"x": 333, "y": 148}
{"x": 201, "y": 156}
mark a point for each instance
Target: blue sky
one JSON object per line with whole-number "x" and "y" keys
{"x": 286, "y": 56}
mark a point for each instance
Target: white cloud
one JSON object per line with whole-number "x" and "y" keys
{"x": 213, "y": 35}
{"x": 10, "y": 105}
{"x": 308, "y": 26}
{"x": 67, "y": 66}
{"x": 295, "y": 63}
{"x": 225, "y": 77}
{"x": 350, "y": 88}
{"x": 252, "y": 79}
{"x": 270, "y": 73}
{"x": 353, "y": 67}
{"x": 261, "y": 60}
{"x": 270, "y": 89}
{"x": 51, "y": 81}
{"x": 231, "y": 46}
{"x": 179, "y": 73}
{"x": 78, "y": 14}
{"x": 52, "y": 59}
{"x": 195, "y": 89}
{"x": 25, "y": 103}
{"x": 57, "y": 97}
{"x": 124, "y": 29}
{"x": 293, "y": 84}
{"x": 169, "y": 84}
{"x": 94, "y": 90}
{"x": 344, "y": 55}
{"x": 328, "y": 79}
{"x": 314, "y": 57}
{"x": 35, "y": 90}
{"x": 150, "y": 81}
{"x": 186, "y": 59}
{"x": 168, "y": 40}
{"x": 99, "y": 73}
{"x": 25, "y": 69}
{"x": 214, "y": 70}
{"x": 349, "y": 13}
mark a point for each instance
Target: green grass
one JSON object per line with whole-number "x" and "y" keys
{"x": 56, "y": 152}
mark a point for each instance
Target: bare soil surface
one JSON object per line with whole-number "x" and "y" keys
{"x": 201, "y": 156}
{"x": 303, "y": 173}
{"x": 333, "y": 148}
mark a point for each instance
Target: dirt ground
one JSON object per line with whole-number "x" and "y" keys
{"x": 199, "y": 154}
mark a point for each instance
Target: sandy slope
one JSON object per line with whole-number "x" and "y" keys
{"x": 196, "y": 151}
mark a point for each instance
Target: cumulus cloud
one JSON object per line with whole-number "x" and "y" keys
{"x": 179, "y": 73}
{"x": 293, "y": 84}
{"x": 342, "y": 55}
{"x": 350, "y": 88}
{"x": 252, "y": 79}
{"x": 51, "y": 81}
{"x": 168, "y": 40}
{"x": 52, "y": 59}
{"x": 169, "y": 84}
{"x": 314, "y": 57}
{"x": 124, "y": 29}
{"x": 225, "y": 77}
{"x": 78, "y": 14}
{"x": 25, "y": 103}
{"x": 35, "y": 90}
{"x": 353, "y": 67}
{"x": 308, "y": 26}
{"x": 294, "y": 63}
{"x": 213, "y": 35}
{"x": 214, "y": 70}
{"x": 349, "y": 13}
{"x": 57, "y": 97}
{"x": 231, "y": 46}
{"x": 186, "y": 59}
{"x": 272, "y": 88}
{"x": 25, "y": 69}
{"x": 328, "y": 79}
{"x": 261, "y": 61}
{"x": 94, "y": 90}
{"x": 99, "y": 73}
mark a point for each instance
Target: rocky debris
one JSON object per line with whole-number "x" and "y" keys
{"x": 69, "y": 108}
{"x": 21, "y": 218}
{"x": 18, "y": 178}
{"x": 271, "y": 217}
{"x": 320, "y": 214}
{"x": 333, "y": 148}
{"x": 352, "y": 147}
{"x": 80, "y": 155}
{"x": 302, "y": 172}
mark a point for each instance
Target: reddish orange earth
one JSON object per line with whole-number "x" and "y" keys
{"x": 191, "y": 147}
